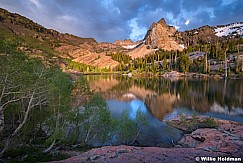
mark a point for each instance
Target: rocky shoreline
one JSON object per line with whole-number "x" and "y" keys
{"x": 207, "y": 138}
{"x": 191, "y": 75}
{"x": 210, "y": 134}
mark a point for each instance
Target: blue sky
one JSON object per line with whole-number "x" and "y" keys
{"x": 110, "y": 20}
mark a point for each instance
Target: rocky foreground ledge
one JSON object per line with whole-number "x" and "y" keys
{"x": 211, "y": 139}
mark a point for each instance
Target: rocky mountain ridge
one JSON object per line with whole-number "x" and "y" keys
{"x": 232, "y": 29}
{"x": 128, "y": 43}
{"x": 46, "y": 44}
{"x": 20, "y": 25}
{"x": 199, "y": 36}
{"x": 160, "y": 35}
{"x": 40, "y": 42}
{"x": 211, "y": 34}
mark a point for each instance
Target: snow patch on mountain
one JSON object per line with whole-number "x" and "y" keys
{"x": 182, "y": 46}
{"x": 131, "y": 46}
{"x": 230, "y": 29}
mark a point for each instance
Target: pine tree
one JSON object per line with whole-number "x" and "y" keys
{"x": 205, "y": 64}
{"x": 237, "y": 59}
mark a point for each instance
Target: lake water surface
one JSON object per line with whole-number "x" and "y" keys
{"x": 161, "y": 99}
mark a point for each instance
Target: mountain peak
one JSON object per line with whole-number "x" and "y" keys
{"x": 162, "y": 21}
{"x": 160, "y": 35}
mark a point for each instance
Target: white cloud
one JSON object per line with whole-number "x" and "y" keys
{"x": 36, "y": 3}
{"x": 138, "y": 32}
{"x": 67, "y": 18}
{"x": 187, "y": 22}
{"x": 108, "y": 4}
{"x": 228, "y": 2}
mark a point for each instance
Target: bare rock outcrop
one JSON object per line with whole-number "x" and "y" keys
{"x": 125, "y": 42}
{"x": 223, "y": 136}
{"x": 121, "y": 154}
{"x": 160, "y": 35}
{"x": 90, "y": 53}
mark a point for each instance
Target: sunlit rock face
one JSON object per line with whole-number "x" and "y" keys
{"x": 160, "y": 35}
{"x": 128, "y": 43}
{"x": 161, "y": 105}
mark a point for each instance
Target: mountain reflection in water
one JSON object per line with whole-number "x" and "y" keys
{"x": 164, "y": 98}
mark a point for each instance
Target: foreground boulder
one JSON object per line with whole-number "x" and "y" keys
{"x": 210, "y": 134}
{"x": 214, "y": 140}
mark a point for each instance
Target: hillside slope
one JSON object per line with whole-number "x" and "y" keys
{"x": 140, "y": 51}
{"x": 49, "y": 45}
{"x": 211, "y": 34}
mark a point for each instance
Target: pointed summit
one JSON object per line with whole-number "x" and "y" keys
{"x": 160, "y": 35}
{"x": 162, "y": 22}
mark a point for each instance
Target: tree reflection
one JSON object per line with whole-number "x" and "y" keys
{"x": 162, "y": 96}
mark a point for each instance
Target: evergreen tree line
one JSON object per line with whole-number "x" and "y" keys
{"x": 161, "y": 60}
{"x": 81, "y": 67}
{"x": 120, "y": 57}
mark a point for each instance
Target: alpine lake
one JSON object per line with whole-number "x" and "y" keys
{"x": 160, "y": 99}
